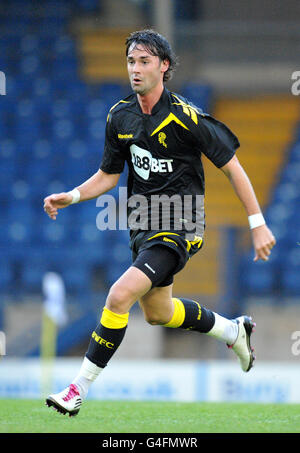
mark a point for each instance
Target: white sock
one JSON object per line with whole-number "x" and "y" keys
{"x": 88, "y": 373}
{"x": 224, "y": 329}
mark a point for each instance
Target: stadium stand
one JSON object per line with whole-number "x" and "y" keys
{"x": 281, "y": 275}
{"x": 51, "y": 138}
{"x": 52, "y": 124}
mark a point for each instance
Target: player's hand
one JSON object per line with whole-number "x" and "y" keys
{"x": 56, "y": 201}
{"x": 263, "y": 241}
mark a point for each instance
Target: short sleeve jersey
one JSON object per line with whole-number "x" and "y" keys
{"x": 163, "y": 150}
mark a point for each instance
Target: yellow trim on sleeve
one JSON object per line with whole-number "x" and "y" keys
{"x": 187, "y": 109}
{"x": 178, "y": 315}
{"x": 113, "y": 320}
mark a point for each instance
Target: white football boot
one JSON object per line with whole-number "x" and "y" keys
{"x": 242, "y": 346}
{"x": 66, "y": 402}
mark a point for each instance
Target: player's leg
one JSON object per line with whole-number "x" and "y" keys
{"x": 105, "y": 339}
{"x": 108, "y": 335}
{"x": 161, "y": 308}
{"x": 158, "y": 263}
{"x": 159, "y": 305}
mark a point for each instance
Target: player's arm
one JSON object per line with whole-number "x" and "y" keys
{"x": 93, "y": 187}
{"x": 262, "y": 237}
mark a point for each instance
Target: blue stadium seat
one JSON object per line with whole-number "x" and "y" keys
{"x": 294, "y": 155}
{"x": 18, "y": 233}
{"x": 290, "y": 281}
{"x": 29, "y": 44}
{"x": 111, "y": 92}
{"x": 52, "y": 26}
{"x": 283, "y": 217}
{"x": 290, "y": 271}
{"x": 30, "y": 65}
{"x": 55, "y": 186}
{"x": 21, "y": 191}
{"x": 20, "y": 210}
{"x": 88, "y": 6}
{"x": 73, "y": 174}
{"x": 76, "y": 275}
{"x": 285, "y": 193}
{"x": 65, "y": 67}
{"x": 119, "y": 263}
{"x": 113, "y": 273}
{"x": 8, "y": 150}
{"x": 63, "y": 130}
{"x": 4, "y": 61}
{"x": 42, "y": 150}
{"x": 38, "y": 172}
{"x": 8, "y": 171}
{"x": 95, "y": 146}
{"x": 27, "y": 130}
{"x": 77, "y": 149}
{"x": 64, "y": 46}
{"x": 257, "y": 278}
{"x": 6, "y": 275}
{"x": 51, "y": 233}
{"x": 57, "y": 8}
{"x": 291, "y": 173}
{"x": 96, "y": 130}
{"x": 43, "y": 92}
{"x": 26, "y": 107}
{"x": 96, "y": 109}
{"x": 61, "y": 108}
{"x": 75, "y": 90}
{"x": 33, "y": 270}
{"x": 280, "y": 212}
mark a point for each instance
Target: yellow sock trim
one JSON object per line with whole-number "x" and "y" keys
{"x": 113, "y": 320}
{"x": 179, "y": 314}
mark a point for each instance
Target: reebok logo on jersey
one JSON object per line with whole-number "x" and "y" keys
{"x": 125, "y": 136}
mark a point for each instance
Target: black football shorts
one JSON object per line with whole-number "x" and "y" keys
{"x": 161, "y": 254}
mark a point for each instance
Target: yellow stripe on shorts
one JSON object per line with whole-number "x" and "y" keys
{"x": 163, "y": 233}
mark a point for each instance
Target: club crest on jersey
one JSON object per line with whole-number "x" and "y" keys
{"x": 162, "y": 139}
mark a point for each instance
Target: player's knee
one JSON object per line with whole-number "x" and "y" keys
{"x": 154, "y": 319}
{"x": 118, "y": 299}
{"x": 115, "y": 299}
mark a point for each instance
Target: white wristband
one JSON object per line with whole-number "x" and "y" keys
{"x": 75, "y": 194}
{"x": 256, "y": 220}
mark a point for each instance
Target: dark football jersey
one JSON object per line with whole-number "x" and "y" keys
{"x": 163, "y": 153}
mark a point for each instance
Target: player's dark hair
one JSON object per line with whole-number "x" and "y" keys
{"x": 157, "y": 45}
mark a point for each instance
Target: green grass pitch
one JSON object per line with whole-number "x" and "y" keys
{"x": 32, "y": 416}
